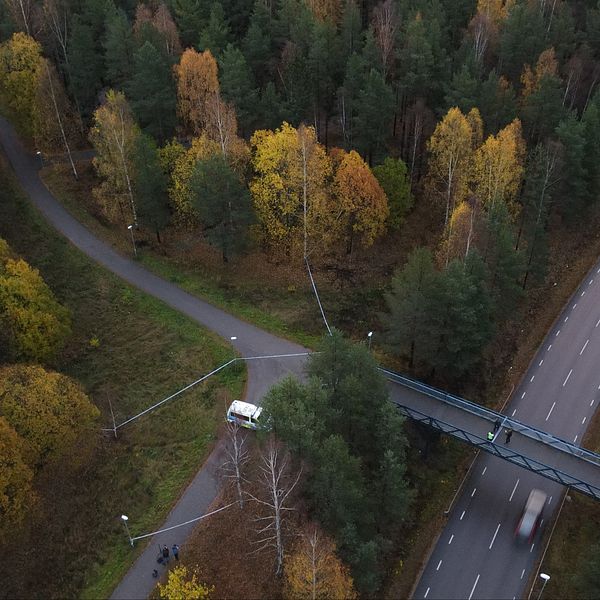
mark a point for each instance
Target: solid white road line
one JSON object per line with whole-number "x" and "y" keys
{"x": 439, "y": 565}
{"x": 513, "y": 492}
{"x": 461, "y": 516}
{"x": 451, "y": 538}
{"x": 474, "y": 586}
{"x": 550, "y": 411}
{"x": 567, "y": 379}
{"x": 584, "y": 347}
{"x": 494, "y": 538}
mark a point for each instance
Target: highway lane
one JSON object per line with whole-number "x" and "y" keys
{"x": 476, "y": 555}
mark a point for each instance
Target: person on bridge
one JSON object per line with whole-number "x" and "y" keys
{"x": 490, "y": 436}
{"x": 497, "y": 424}
{"x": 508, "y": 432}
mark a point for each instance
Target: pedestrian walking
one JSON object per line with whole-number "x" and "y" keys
{"x": 175, "y": 550}
{"x": 497, "y": 424}
{"x": 508, "y": 433}
{"x": 490, "y": 436}
{"x": 155, "y": 573}
{"x": 165, "y": 555}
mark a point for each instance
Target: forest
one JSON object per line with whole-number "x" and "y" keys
{"x": 423, "y": 157}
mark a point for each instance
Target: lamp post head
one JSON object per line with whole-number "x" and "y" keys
{"x": 38, "y": 152}
{"x": 125, "y": 517}
{"x": 129, "y": 226}
{"x": 369, "y": 334}
{"x": 544, "y": 576}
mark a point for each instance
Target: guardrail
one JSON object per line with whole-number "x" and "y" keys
{"x": 492, "y": 415}
{"x": 503, "y": 452}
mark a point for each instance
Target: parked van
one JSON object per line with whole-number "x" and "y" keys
{"x": 244, "y": 414}
{"x": 531, "y": 516}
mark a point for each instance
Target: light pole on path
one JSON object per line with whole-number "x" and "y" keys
{"x": 125, "y": 518}
{"x": 546, "y": 578}
{"x": 370, "y": 335}
{"x": 130, "y": 227}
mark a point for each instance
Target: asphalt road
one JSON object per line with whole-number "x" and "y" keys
{"x": 477, "y": 555}
{"x": 249, "y": 341}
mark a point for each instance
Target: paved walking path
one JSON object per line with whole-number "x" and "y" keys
{"x": 250, "y": 341}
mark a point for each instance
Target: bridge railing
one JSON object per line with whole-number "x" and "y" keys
{"x": 491, "y": 415}
{"x": 503, "y": 452}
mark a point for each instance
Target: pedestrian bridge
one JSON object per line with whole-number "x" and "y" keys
{"x": 529, "y": 448}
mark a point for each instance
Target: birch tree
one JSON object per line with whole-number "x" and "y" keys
{"x": 237, "y": 458}
{"x": 113, "y": 136}
{"x": 277, "y": 484}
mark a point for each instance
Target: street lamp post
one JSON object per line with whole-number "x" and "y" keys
{"x": 125, "y": 518}
{"x": 41, "y": 158}
{"x": 370, "y": 335}
{"x": 546, "y": 578}
{"x": 130, "y": 227}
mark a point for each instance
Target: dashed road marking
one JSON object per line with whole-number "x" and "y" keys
{"x": 461, "y": 516}
{"x": 494, "y": 538}
{"x": 583, "y": 293}
{"x": 584, "y": 347}
{"x": 523, "y": 395}
{"x": 584, "y": 420}
{"x": 514, "y": 489}
{"x": 513, "y": 412}
{"x": 597, "y": 322}
{"x": 439, "y": 565}
{"x": 532, "y": 378}
{"x": 532, "y": 547}
{"x": 541, "y": 362}
{"x": 591, "y": 281}
{"x": 484, "y": 470}
{"x": 567, "y": 379}
{"x": 426, "y": 592}
{"x": 575, "y": 305}
{"x": 550, "y": 411}
{"x": 474, "y": 586}
{"x": 566, "y": 319}
{"x": 522, "y": 573}
{"x": 575, "y": 438}
{"x": 451, "y": 538}
{"x": 550, "y": 500}
{"x": 550, "y": 346}
{"x": 473, "y": 492}
{"x": 592, "y": 403}
{"x": 557, "y": 333}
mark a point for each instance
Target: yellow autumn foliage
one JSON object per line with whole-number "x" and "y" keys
{"x": 183, "y": 585}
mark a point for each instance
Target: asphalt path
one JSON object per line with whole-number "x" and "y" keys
{"x": 477, "y": 555}
{"x": 248, "y": 340}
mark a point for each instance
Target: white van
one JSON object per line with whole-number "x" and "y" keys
{"x": 244, "y": 414}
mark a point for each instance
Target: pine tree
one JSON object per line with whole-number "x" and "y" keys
{"x": 258, "y": 42}
{"x": 217, "y": 33}
{"x": 191, "y": 17}
{"x": 152, "y": 92}
{"x": 393, "y": 177}
{"x": 150, "y": 186}
{"x": 118, "y": 49}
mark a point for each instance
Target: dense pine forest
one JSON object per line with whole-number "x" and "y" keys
{"x": 423, "y": 157}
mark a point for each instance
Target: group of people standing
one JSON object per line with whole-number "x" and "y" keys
{"x": 164, "y": 556}
{"x": 507, "y": 432}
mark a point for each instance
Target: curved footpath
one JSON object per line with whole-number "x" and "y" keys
{"x": 250, "y": 341}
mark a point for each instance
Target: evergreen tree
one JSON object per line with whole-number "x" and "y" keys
{"x": 191, "y": 17}
{"x": 393, "y": 177}
{"x": 223, "y": 204}
{"x": 150, "y": 186}
{"x": 350, "y": 30}
{"x": 257, "y": 44}
{"x": 496, "y": 102}
{"x": 238, "y": 87}
{"x": 217, "y": 33}
{"x": 118, "y": 49}
{"x": 270, "y": 109}
{"x": 463, "y": 90}
{"x": 152, "y": 92}
{"x": 591, "y": 158}
{"x": 374, "y": 109}
{"x": 543, "y": 109}
{"x": 571, "y": 134}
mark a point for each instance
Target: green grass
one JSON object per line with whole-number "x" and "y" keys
{"x": 73, "y": 544}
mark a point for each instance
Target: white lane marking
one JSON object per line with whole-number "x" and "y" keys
{"x": 584, "y": 419}
{"x": 541, "y": 523}
{"x": 567, "y": 379}
{"x": 494, "y": 538}
{"x": 575, "y": 306}
{"x": 426, "y": 592}
{"x": 474, "y": 586}
{"x": 541, "y": 362}
{"x": 550, "y": 346}
{"x": 550, "y": 411}
{"x": 513, "y": 412}
{"x": 598, "y": 271}
{"x": 575, "y": 438}
{"x": 583, "y": 293}
{"x": 566, "y": 319}
{"x": 584, "y": 347}
{"x": 557, "y": 333}
{"x": 550, "y": 500}
{"x": 513, "y": 492}
{"x": 473, "y": 492}
{"x": 439, "y": 565}
{"x": 532, "y": 547}
{"x": 591, "y": 281}
{"x": 451, "y": 538}
{"x": 532, "y": 378}
{"x": 523, "y": 395}
{"x": 522, "y": 573}
{"x": 592, "y": 403}
{"x": 597, "y": 322}
{"x": 461, "y": 516}
{"x": 484, "y": 470}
